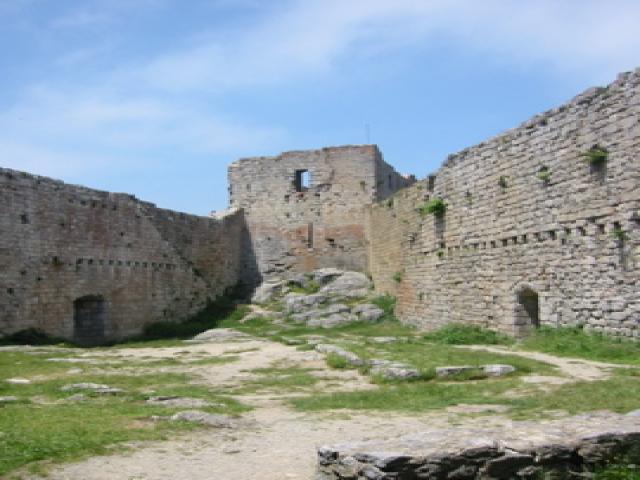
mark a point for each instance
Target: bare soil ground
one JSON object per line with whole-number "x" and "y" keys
{"x": 273, "y": 441}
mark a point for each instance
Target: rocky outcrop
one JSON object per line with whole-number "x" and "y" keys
{"x": 561, "y": 448}
{"x": 324, "y": 304}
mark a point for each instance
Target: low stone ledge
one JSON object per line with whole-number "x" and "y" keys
{"x": 566, "y": 448}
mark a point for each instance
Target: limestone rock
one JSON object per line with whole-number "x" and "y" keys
{"x": 267, "y": 291}
{"x": 203, "y": 418}
{"x": 218, "y": 335}
{"x": 367, "y": 312}
{"x": 393, "y": 370}
{"x": 383, "y": 339}
{"x": 94, "y": 387}
{"x": 452, "y": 370}
{"x": 18, "y": 381}
{"x": 497, "y": 369}
{"x": 298, "y": 302}
{"x": 182, "y": 402}
{"x": 348, "y": 285}
{"x": 351, "y": 358}
{"x": 326, "y": 275}
{"x": 520, "y": 450}
{"x": 333, "y": 320}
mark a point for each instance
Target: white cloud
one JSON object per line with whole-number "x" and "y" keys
{"x": 57, "y": 132}
{"x": 311, "y": 36}
{"x": 54, "y": 128}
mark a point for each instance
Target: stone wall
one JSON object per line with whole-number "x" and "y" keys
{"x": 568, "y": 448}
{"x": 533, "y": 231}
{"x": 299, "y": 228}
{"x": 119, "y": 260}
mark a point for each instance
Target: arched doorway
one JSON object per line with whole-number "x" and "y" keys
{"x": 527, "y": 311}
{"x": 89, "y": 316}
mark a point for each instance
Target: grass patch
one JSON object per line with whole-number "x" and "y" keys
{"x": 310, "y": 287}
{"x": 620, "y": 393}
{"x": 460, "y": 334}
{"x": 408, "y": 397}
{"x": 278, "y": 378}
{"x": 337, "y": 362}
{"x": 426, "y": 356}
{"x": 45, "y": 426}
{"x": 575, "y": 342}
{"x": 618, "y": 471}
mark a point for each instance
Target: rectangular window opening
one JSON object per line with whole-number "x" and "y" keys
{"x": 303, "y": 180}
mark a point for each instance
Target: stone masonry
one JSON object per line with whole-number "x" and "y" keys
{"x": 534, "y": 233}
{"x": 71, "y": 255}
{"x": 296, "y": 227}
{"x": 541, "y": 226}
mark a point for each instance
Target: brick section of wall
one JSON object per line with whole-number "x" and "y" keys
{"x": 322, "y": 225}
{"x": 60, "y": 243}
{"x": 508, "y": 233}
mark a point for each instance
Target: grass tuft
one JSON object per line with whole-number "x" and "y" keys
{"x": 575, "y": 342}
{"x": 458, "y": 334}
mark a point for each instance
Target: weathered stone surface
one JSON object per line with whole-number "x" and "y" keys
{"x": 348, "y": 285}
{"x": 559, "y": 447}
{"x": 333, "y": 320}
{"x": 351, "y": 358}
{"x": 497, "y": 370}
{"x": 452, "y": 370}
{"x": 182, "y": 402}
{"x": 383, "y": 339}
{"x": 18, "y": 381}
{"x": 65, "y": 247}
{"x": 298, "y": 302}
{"x": 368, "y": 312}
{"x": 512, "y": 250}
{"x": 203, "y": 418}
{"x": 218, "y": 335}
{"x": 393, "y": 370}
{"x": 326, "y": 275}
{"x": 295, "y": 228}
{"x": 507, "y": 235}
{"x": 336, "y": 308}
{"x": 94, "y": 387}
{"x": 267, "y": 291}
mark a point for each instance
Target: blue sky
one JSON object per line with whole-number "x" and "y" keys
{"x": 157, "y": 97}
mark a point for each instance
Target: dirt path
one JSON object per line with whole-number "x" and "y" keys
{"x": 274, "y": 442}
{"x": 574, "y": 369}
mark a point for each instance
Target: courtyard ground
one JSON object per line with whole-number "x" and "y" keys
{"x": 274, "y": 399}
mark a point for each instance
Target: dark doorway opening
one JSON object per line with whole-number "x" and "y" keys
{"x": 527, "y": 311}
{"x": 89, "y": 315}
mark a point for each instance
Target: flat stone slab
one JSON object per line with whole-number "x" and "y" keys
{"x": 522, "y": 450}
{"x": 452, "y": 370}
{"x": 93, "y": 387}
{"x": 218, "y": 335}
{"x": 203, "y": 418}
{"x": 181, "y": 402}
{"x": 351, "y": 358}
{"x": 498, "y": 369}
{"x": 18, "y": 381}
{"x": 8, "y": 399}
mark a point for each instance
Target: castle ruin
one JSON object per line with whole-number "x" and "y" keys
{"x": 537, "y": 226}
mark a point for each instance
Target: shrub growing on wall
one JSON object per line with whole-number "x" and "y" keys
{"x": 596, "y": 155}
{"x": 435, "y": 206}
